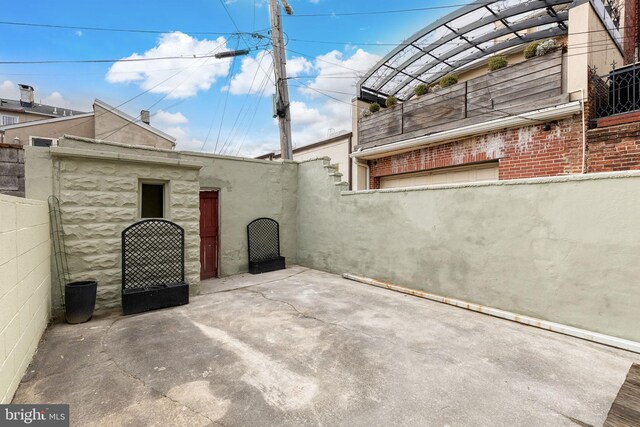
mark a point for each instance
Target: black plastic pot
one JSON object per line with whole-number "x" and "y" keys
{"x": 80, "y": 300}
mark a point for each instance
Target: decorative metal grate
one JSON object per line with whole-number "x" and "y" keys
{"x": 152, "y": 254}
{"x": 617, "y": 92}
{"x": 264, "y": 239}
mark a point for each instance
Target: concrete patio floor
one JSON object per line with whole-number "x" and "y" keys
{"x": 304, "y": 347}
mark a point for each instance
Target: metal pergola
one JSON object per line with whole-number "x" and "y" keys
{"x": 458, "y": 40}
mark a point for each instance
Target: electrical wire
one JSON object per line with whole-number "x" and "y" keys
{"x": 118, "y": 30}
{"x": 384, "y": 12}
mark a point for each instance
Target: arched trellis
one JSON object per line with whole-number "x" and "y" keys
{"x": 263, "y": 240}
{"x": 153, "y": 266}
{"x": 461, "y": 38}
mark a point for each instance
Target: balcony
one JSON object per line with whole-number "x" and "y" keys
{"x": 616, "y": 96}
{"x": 534, "y": 84}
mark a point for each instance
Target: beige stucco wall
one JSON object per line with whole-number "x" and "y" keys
{"x": 24, "y": 117}
{"x": 338, "y": 151}
{"x": 589, "y": 44}
{"x": 111, "y": 127}
{"x": 25, "y": 284}
{"x": 99, "y": 197}
{"x": 561, "y": 249}
{"x": 248, "y": 189}
{"x": 82, "y": 126}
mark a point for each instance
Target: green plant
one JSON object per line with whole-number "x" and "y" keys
{"x": 546, "y": 47}
{"x": 448, "y": 80}
{"x": 421, "y": 89}
{"x": 530, "y": 50}
{"x": 497, "y": 62}
{"x": 375, "y": 107}
{"x": 391, "y": 101}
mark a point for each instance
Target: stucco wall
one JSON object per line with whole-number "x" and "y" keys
{"x": 338, "y": 151}
{"x": 559, "y": 249}
{"x": 25, "y": 284}
{"x": 248, "y": 188}
{"x": 99, "y": 197}
{"x": 114, "y": 128}
{"x": 81, "y": 126}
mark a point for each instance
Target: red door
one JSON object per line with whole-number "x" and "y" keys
{"x": 208, "y": 234}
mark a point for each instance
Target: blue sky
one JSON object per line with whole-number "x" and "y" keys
{"x": 208, "y": 104}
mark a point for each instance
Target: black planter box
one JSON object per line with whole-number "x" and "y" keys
{"x": 257, "y": 267}
{"x": 152, "y": 298}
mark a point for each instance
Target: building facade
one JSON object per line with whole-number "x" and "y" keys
{"x": 535, "y": 117}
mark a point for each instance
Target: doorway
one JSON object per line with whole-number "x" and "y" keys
{"x": 209, "y": 239}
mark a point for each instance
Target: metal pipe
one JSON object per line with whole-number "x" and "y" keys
{"x": 584, "y": 134}
{"x": 531, "y": 321}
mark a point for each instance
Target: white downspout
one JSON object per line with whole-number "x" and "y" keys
{"x": 584, "y": 134}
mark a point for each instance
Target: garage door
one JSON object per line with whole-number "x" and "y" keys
{"x": 483, "y": 172}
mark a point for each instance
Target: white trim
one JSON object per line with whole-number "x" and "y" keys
{"x": 45, "y": 121}
{"x": 54, "y": 141}
{"x": 530, "y": 321}
{"x": 133, "y": 120}
{"x": 516, "y": 120}
{"x": 3, "y": 115}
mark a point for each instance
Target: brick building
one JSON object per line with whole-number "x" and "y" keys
{"x": 544, "y": 114}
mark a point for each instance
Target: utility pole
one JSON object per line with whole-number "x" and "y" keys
{"x": 280, "y": 68}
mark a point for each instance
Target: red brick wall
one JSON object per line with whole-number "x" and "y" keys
{"x": 522, "y": 153}
{"x": 614, "y": 148}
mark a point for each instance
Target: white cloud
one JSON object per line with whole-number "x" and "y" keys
{"x": 255, "y": 72}
{"x": 162, "y": 117}
{"x": 9, "y": 90}
{"x": 196, "y": 75}
{"x": 55, "y": 99}
{"x": 338, "y": 76}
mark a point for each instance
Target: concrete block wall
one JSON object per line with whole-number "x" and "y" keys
{"x": 99, "y": 199}
{"x": 25, "y": 283}
{"x": 562, "y": 249}
{"x": 12, "y": 170}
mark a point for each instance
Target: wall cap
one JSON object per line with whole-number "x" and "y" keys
{"x": 108, "y": 155}
{"x": 525, "y": 181}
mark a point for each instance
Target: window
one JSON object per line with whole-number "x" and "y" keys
{"x": 37, "y": 141}
{"x": 9, "y": 120}
{"x": 151, "y": 200}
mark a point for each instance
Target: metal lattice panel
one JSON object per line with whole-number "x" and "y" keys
{"x": 152, "y": 254}
{"x": 618, "y": 92}
{"x": 264, "y": 239}
{"x": 467, "y": 36}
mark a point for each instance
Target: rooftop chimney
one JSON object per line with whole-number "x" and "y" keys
{"x": 144, "y": 116}
{"x": 26, "y": 95}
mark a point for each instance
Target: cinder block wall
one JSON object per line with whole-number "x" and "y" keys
{"x": 12, "y": 170}
{"x": 25, "y": 282}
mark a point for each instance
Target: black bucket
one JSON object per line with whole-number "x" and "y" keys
{"x": 80, "y": 300}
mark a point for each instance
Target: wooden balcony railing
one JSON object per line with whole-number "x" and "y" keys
{"x": 529, "y": 85}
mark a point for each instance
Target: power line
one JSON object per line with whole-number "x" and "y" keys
{"x": 118, "y": 30}
{"x": 84, "y": 61}
{"x": 385, "y": 12}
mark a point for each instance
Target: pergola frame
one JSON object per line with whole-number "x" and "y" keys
{"x": 386, "y": 78}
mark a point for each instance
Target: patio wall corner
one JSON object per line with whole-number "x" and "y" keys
{"x": 25, "y": 283}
